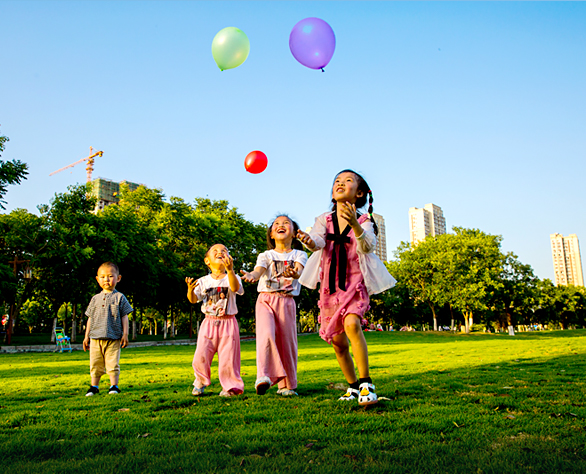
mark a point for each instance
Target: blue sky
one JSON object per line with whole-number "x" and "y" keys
{"x": 477, "y": 107}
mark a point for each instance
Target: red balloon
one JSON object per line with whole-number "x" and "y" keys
{"x": 256, "y": 162}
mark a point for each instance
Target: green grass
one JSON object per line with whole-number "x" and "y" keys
{"x": 474, "y": 403}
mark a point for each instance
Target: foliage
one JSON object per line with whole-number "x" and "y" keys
{"x": 157, "y": 242}
{"x": 11, "y": 172}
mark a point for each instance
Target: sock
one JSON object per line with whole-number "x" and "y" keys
{"x": 366, "y": 380}
{"x": 355, "y": 385}
{"x": 97, "y": 386}
{"x": 112, "y": 386}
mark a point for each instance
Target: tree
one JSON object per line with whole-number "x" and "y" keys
{"x": 11, "y": 172}
{"x": 516, "y": 296}
{"x": 471, "y": 265}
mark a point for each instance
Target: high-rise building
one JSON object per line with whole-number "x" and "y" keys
{"x": 428, "y": 220}
{"x": 381, "y": 238}
{"x": 567, "y": 263}
{"x": 107, "y": 191}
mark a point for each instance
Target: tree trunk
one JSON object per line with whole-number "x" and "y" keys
{"x": 172, "y": 322}
{"x": 434, "y": 317}
{"x": 467, "y": 320}
{"x": 73, "y": 323}
{"x": 53, "y": 331}
{"x": 65, "y": 319}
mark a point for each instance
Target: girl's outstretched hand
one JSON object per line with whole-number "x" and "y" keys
{"x": 191, "y": 283}
{"x": 228, "y": 262}
{"x": 305, "y": 239}
{"x": 291, "y": 272}
{"x": 348, "y": 212}
{"x": 247, "y": 277}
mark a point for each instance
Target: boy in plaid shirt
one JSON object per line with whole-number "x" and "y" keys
{"x": 107, "y": 329}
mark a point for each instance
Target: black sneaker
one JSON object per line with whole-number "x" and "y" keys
{"x": 114, "y": 390}
{"x": 92, "y": 391}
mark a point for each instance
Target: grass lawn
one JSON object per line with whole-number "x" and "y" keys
{"x": 478, "y": 403}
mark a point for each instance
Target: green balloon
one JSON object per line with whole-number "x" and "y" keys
{"x": 230, "y": 48}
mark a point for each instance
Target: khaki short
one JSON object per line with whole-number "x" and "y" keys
{"x": 104, "y": 357}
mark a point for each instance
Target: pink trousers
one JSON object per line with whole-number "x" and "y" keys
{"x": 276, "y": 339}
{"x": 219, "y": 335}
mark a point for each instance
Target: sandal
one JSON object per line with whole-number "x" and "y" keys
{"x": 262, "y": 385}
{"x": 351, "y": 394}
{"x": 287, "y": 392}
{"x": 367, "y": 394}
{"x": 197, "y": 391}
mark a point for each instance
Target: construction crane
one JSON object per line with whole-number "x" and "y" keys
{"x": 90, "y": 164}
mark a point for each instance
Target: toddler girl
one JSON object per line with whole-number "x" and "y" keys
{"x": 277, "y": 271}
{"x": 219, "y": 331}
{"x": 348, "y": 272}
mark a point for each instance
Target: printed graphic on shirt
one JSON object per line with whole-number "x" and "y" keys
{"x": 275, "y": 280}
{"x": 215, "y": 301}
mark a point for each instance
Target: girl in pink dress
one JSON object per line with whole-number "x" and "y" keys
{"x": 277, "y": 271}
{"x": 348, "y": 271}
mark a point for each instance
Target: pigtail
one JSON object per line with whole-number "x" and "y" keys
{"x": 370, "y": 200}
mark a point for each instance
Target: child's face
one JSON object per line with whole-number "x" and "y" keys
{"x": 215, "y": 256}
{"x": 107, "y": 278}
{"x": 282, "y": 230}
{"x": 345, "y": 188}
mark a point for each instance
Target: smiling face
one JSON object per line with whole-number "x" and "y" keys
{"x": 282, "y": 230}
{"x": 345, "y": 188}
{"x": 214, "y": 257}
{"x": 107, "y": 278}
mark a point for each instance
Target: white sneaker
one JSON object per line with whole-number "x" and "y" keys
{"x": 351, "y": 394}
{"x": 262, "y": 385}
{"x": 367, "y": 394}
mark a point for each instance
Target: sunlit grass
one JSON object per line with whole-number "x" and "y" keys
{"x": 453, "y": 403}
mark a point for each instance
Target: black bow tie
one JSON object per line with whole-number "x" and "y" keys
{"x": 339, "y": 240}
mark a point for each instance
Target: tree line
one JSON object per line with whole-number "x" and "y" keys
{"x": 48, "y": 264}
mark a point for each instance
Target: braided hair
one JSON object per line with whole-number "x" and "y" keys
{"x": 361, "y": 201}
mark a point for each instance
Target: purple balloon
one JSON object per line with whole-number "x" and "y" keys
{"x": 312, "y": 43}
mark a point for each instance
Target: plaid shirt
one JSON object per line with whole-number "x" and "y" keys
{"x": 106, "y": 311}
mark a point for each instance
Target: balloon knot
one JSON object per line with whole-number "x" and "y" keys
{"x": 322, "y": 70}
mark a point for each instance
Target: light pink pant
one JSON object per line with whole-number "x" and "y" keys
{"x": 276, "y": 339}
{"x": 219, "y": 335}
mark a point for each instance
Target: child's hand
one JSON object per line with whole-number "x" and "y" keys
{"x": 124, "y": 340}
{"x": 191, "y": 283}
{"x": 291, "y": 272}
{"x": 228, "y": 262}
{"x": 247, "y": 277}
{"x": 348, "y": 212}
{"x": 86, "y": 344}
{"x": 305, "y": 239}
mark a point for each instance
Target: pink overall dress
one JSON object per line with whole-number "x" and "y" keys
{"x": 335, "y": 303}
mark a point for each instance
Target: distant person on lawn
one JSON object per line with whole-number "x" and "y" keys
{"x": 107, "y": 329}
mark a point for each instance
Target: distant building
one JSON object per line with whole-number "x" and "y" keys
{"x": 107, "y": 191}
{"x": 567, "y": 263}
{"x": 381, "y": 238}
{"x": 428, "y": 220}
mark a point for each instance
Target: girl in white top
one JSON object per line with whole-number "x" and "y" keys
{"x": 277, "y": 271}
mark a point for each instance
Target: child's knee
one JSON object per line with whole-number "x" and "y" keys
{"x": 341, "y": 348}
{"x": 352, "y": 324}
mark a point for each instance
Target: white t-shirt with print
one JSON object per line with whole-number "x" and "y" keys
{"x": 217, "y": 298}
{"x": 275, "y": 264}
